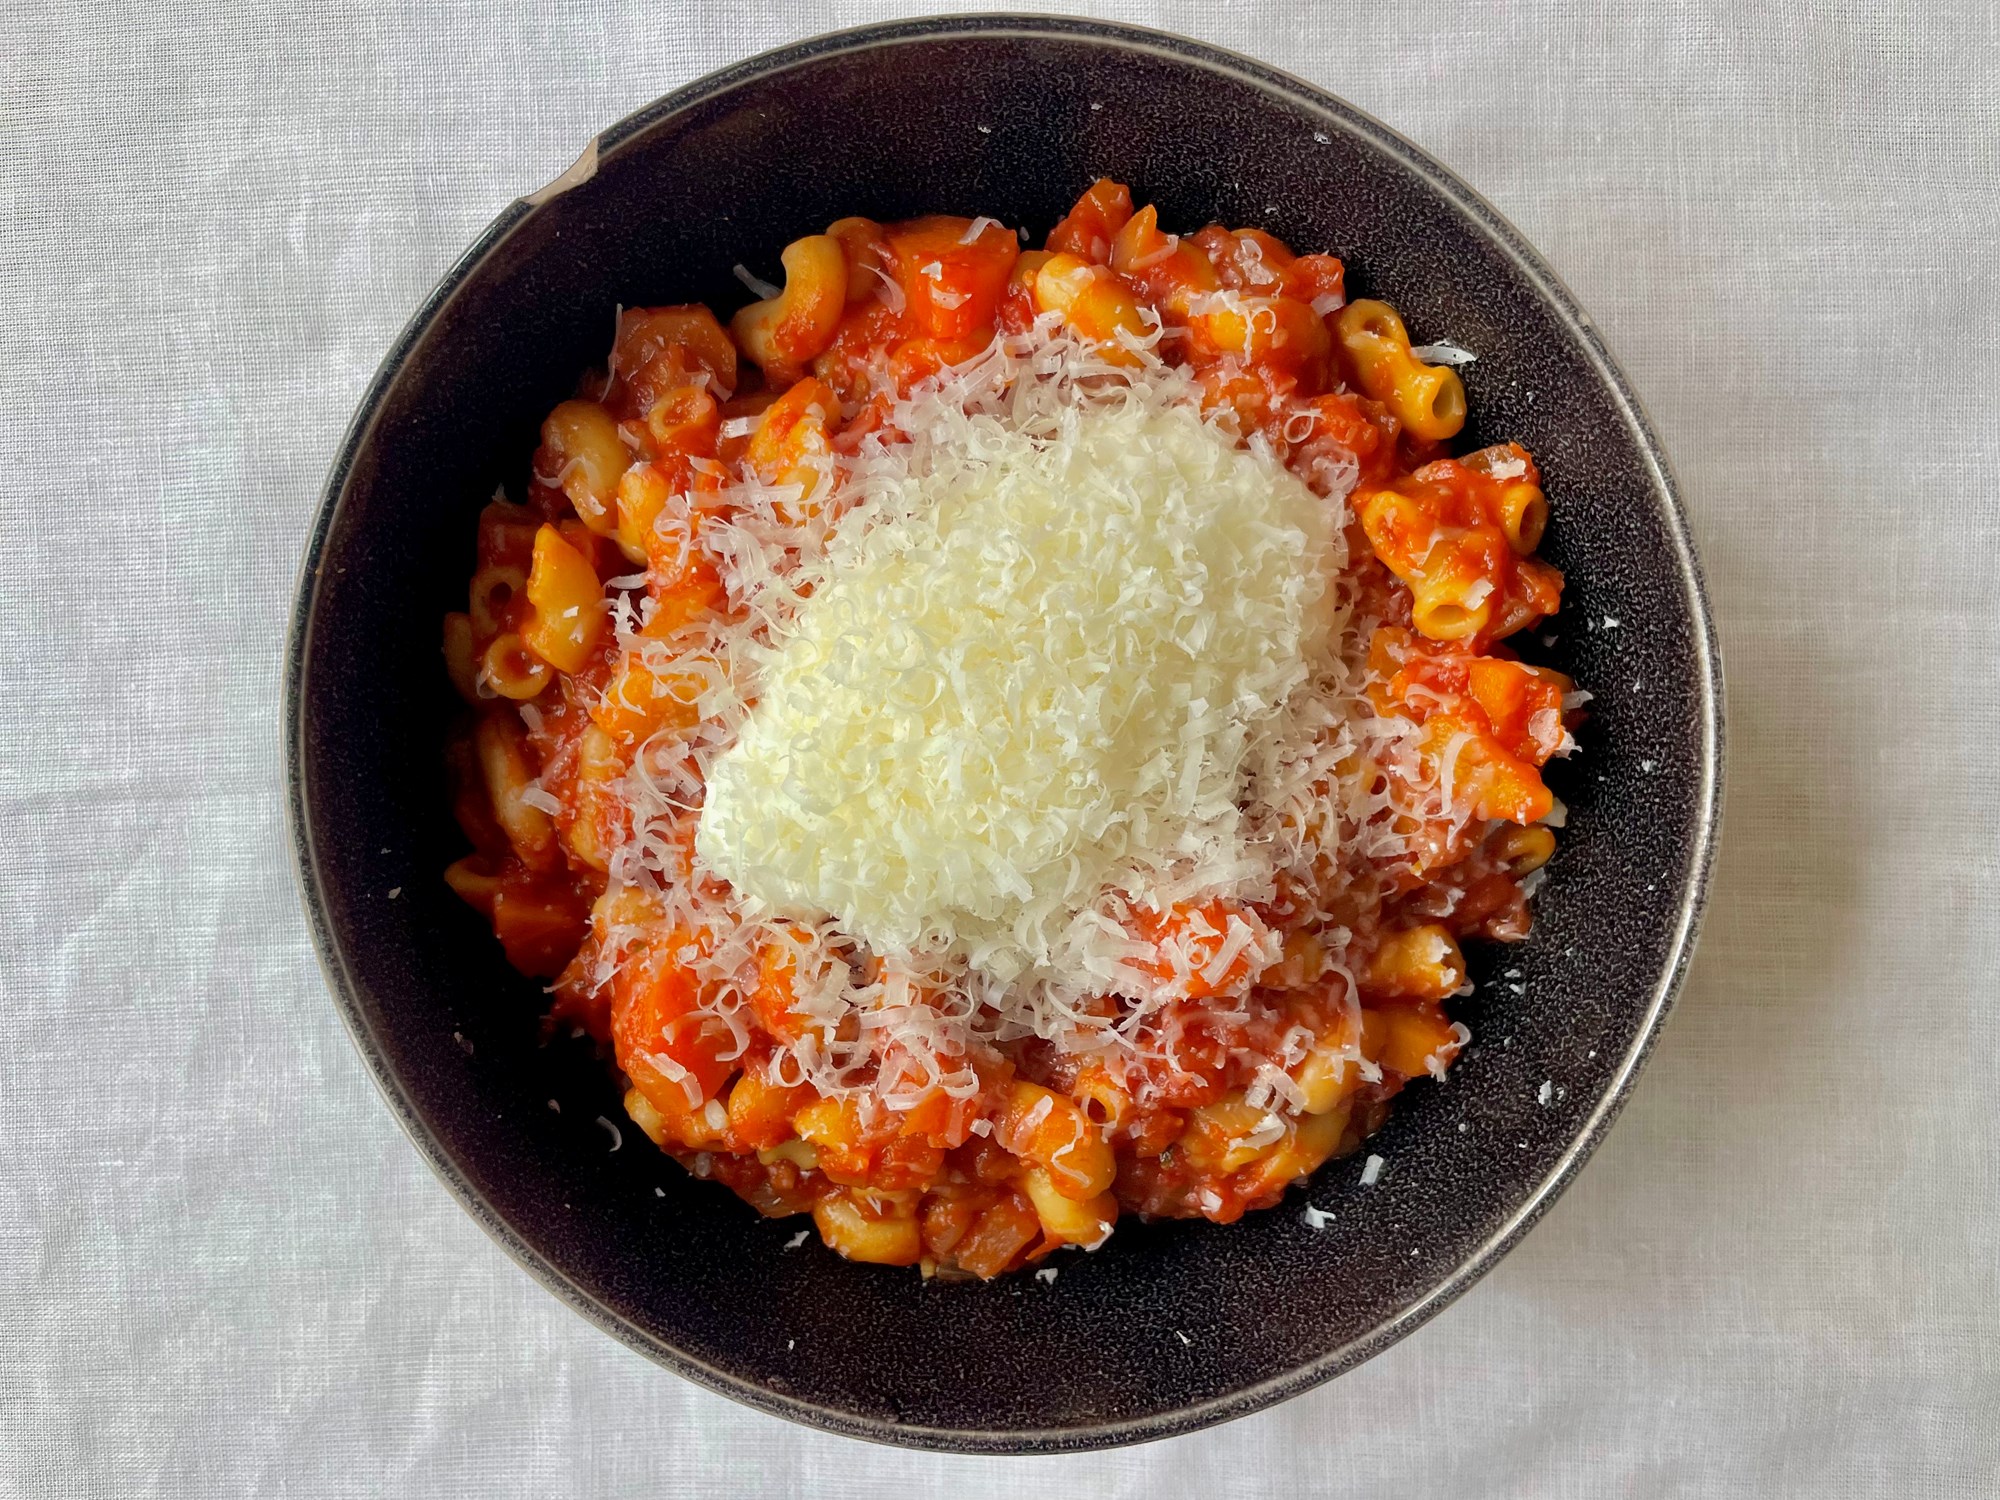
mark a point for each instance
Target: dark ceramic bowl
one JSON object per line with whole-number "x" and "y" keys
{"x": 1171, "y": 1326}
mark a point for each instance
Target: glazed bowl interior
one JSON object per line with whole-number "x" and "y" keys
{"x": 1171, "y": 1325}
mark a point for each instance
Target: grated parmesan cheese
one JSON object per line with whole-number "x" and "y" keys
{"x": 1035, "y": 679}
{"x": 890, "y": 291}
{"x": 1184, "y": 680}
{"x": 758, "y": 286}
{"x": 1269, "y": 1131}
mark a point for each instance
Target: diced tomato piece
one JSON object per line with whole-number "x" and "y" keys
{"x": 946, "y": 1220}
{"x": 1497, "y": 785}
{"x": 540, "y": 921}
{"x": 1088, "y": 229}
{"x": 654, "y": 1016}
{"x": 1313, "y": 277}
{"x": 866, "y": 330}
{"x": 999, "y": 1235}
{"x": 1522, "y": 703}
{"x": 1345, "y": 423}
{"x": 953, "y": 286}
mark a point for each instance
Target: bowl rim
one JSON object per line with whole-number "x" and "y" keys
{"x": 1309, "y": 99}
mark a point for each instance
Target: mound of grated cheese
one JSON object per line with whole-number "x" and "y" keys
{"x": 1046, "y": 645}
{"x": 1035, "y": 678}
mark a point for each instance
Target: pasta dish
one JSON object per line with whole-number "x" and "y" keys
{"x": 988, "y": 740}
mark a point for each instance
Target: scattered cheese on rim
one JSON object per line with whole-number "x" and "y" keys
{"x": 1444, "y": 352}
{"x": 1038, "y": 679}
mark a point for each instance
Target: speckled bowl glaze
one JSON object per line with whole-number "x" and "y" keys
{"x": 1171, "y": 1326}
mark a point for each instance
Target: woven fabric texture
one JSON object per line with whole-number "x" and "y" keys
{"x": 222, "y": 1269}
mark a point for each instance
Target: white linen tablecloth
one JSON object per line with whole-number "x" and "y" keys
{"x": 222, "y": 1269}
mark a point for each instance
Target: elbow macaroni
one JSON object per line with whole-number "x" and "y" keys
{"x": 789, "y": 329}
{"x": 1429, "y": 400}
{"x": 566, "y": 619}
{"x": 583, "y": 456}
{"x": 1093, "y": 301}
